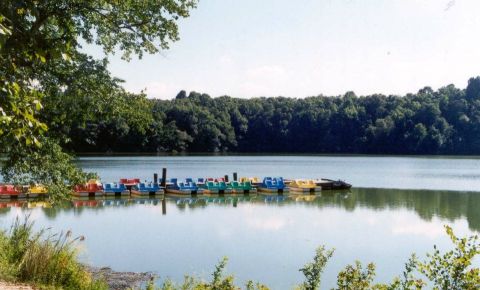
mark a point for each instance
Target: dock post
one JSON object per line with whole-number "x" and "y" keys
{"x": 164, "y": 178}
{"x": 155, "y": 179}
{"x": 226, "y": 178}
{"x": 234, "y": 176}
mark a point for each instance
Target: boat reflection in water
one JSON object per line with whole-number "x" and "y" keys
{"x": 181, "y": 202}
{"x": 427, "y": 204}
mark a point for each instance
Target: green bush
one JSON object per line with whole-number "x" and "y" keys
{"x": 42, "y": 259}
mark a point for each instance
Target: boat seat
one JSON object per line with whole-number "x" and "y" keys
{"x": 269, "y": 183}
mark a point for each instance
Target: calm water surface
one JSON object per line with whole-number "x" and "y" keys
{"x": 373, "y": 172}
{"x": 268, "y": 238}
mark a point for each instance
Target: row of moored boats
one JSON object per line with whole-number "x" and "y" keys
{"x": 189, "y": 186}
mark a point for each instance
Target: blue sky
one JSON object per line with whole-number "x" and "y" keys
{"x": 250, "y": 48}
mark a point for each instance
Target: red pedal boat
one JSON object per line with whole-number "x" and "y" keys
{"x": 129, "y": 182}
{"x": 91, "y": 188}
{"x": 11, "y": 191}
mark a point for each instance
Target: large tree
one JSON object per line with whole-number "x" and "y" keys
{"x": 40, "y": 41}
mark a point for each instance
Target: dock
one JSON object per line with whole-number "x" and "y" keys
{"x": 208, "y": 186}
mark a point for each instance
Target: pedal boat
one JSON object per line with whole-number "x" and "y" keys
{"x": 216, "y": 187}
{"x": 146, "y": 189}
{"x": 304, "y": 186}
{"x": 92, "y": 188}
{"x": 254, "y": 181}
{"x": 37, "y": 190}
{"x": 115, "y": 189}
{"x": 183, "y": 188}
{"x": 242, "y": 187}
{"x": 200, "y": 181}
{"x": 11, "y": 191}
{"x": 273, "y": 185}
{"x": 129, "y": 182}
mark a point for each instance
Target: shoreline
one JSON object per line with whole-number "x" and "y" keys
{"x": 115, "y": 280}
{"x": 120, "y": 280}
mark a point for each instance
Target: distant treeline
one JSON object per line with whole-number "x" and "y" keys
{"x": 446, "y": 121}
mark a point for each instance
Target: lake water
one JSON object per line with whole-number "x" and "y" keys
{"x": 362, "y": 171}
{"x": 268, "y": 238}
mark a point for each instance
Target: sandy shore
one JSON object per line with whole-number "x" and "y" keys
{"x": 11, "y": 286}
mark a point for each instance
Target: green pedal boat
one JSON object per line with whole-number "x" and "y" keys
{"x": 242, "y": 187}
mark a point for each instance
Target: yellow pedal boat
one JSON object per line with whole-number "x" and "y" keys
{"x": 255, "y": 181}
{"x": 304, "y": 185}
{"x": 37, "y": 190}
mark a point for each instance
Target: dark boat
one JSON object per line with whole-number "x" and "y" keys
{"x": 332, "y": 184}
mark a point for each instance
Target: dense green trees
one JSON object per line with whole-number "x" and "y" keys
{"x": 446, "y": 121}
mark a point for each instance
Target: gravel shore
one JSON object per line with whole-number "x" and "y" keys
{"x": 121, "y": 280}
{"x": 115, "y": 280}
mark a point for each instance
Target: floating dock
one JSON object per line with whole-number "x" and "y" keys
{"x": 182, "y": 188}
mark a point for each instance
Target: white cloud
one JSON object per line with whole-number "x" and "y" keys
{"x": 154, "y": 89}
{"x": 267, "y": 223}
{"x": 258, "y": 219}
{"x": 226, "y": 60}
{"x": 409, "y": 224}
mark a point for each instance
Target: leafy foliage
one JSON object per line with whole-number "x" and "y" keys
{"x": 313, "y": 270}
{"x": 453, "y": 269}
{"x": 356, "y": 278}
{"x": 41, "y": 65}
{"x": 47, "y": 165}
{"x": 43, "y": 259}
{"x": 219, "y": 282}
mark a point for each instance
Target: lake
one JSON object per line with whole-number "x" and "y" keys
{"x": 362, "y": 171}
{"x": 398, "y": 206}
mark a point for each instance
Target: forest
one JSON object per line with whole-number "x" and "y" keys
{"x": 93, "y": 113}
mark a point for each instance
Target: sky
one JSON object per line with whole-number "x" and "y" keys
{"x": 252, "y": 48}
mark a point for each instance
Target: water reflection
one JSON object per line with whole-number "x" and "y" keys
{"x": 448, "y": 205}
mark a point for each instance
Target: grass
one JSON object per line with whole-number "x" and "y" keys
{"x": 43, "y": 259}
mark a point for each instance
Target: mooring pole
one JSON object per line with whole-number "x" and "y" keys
{"x": 164, "y": 178}
{"x": 164, "y": 206}
{"x": 226, "y": 178}
{"x": 234, "y": 176}
{"x": 155, "y": 179}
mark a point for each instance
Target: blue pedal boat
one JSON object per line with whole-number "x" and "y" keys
{"x": 273, "y": 185}
{"x": 183, "y": 188}
{"x": 112, "y": 189}
{"x": 147, "y": 189}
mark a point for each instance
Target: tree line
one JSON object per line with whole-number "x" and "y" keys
{"x": 105, "y": 118}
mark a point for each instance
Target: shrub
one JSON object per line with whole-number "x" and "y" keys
{"x": 43, "y": 259}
